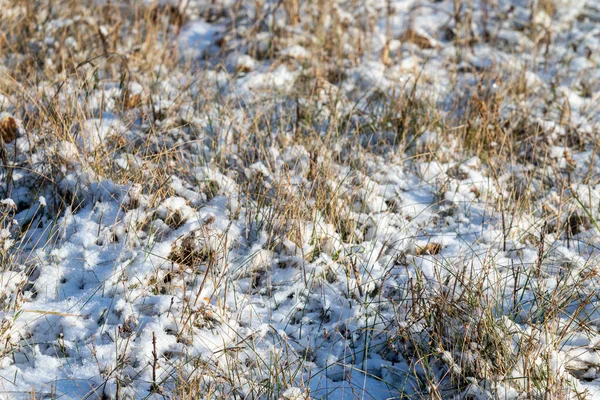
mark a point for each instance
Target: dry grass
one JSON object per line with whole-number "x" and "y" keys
{"x": 112, "y": 61}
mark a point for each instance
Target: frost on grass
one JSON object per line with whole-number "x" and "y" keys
{"x": 300, "y": 199}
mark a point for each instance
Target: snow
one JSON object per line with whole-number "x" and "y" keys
{"x": 217, "y": 270}
{"x": 196, "y": 38}
{"x": 95, "y": 132}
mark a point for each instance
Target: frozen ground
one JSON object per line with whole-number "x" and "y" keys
{"x": 330, "y": 199}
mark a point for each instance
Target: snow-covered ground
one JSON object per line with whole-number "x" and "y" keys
{"x": 301, "y": 199}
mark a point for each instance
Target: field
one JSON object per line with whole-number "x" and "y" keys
{"x": 294, "y": 199}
